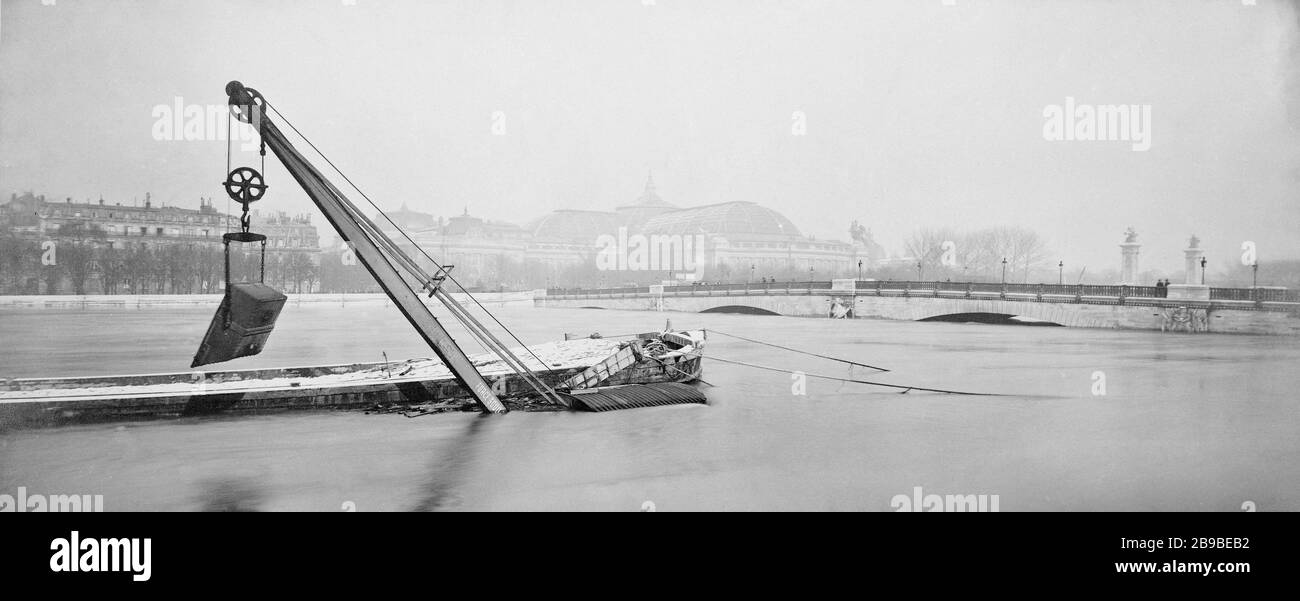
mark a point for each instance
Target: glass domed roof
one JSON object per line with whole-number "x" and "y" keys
{"x": 728, "y": 218}
{"x": 574, "y": 226}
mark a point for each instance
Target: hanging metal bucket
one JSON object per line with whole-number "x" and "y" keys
{"x": 247, "y": 314}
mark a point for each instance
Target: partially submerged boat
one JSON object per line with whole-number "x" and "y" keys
{"x": 594, "y": 373}
{"x": 591, "y": 374}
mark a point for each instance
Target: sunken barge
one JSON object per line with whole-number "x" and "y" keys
{"x": 588, "y": 374}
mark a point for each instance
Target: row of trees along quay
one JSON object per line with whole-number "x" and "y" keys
{"x": 77, "y": 259}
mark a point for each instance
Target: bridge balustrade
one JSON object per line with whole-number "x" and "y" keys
{"x": 1255, "y": 294}
{"x": 1105, "y": 294}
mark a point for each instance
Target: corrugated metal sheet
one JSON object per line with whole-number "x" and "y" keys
{"x": 612, "y": 398}
{"x": 678, "y": 339}
{"x": 602, "y": 371}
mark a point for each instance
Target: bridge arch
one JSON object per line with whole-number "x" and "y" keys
{"x": 991, "y": 318}
{"x": 1065, "y": 314}
{"x": 741, "y": 309}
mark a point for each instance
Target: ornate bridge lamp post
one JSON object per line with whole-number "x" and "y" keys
{"x": 1003, "y": 293}
{"x": 1203, "y": 271}
{"x": 859, "y": 269}
{"x": 1254, "y": 281}
{"x": 1254, "y": 277}
{"x": 1060, "y": 273}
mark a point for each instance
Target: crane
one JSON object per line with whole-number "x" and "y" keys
{"x": 390, "y": 265}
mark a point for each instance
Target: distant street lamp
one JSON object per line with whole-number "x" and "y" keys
{"x": 1060, "y": 275}
{"x": 1004, "y": 271}
{"x": 810, "y": 274}
{"x": 859, "y": 269}
{"x": 1254, "y": 281}
{"x": 751, "y": 273}
{"x": 918, "y": 271}
{"x": 1202, "y": 271}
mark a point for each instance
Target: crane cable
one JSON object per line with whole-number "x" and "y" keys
{"x": 399, "y": 228}
{"x": 905, "y": 388}
{"x": 463, "y": 315}
{"x": 387, "y": 247}
{"x": 481, "y": 333}
{"x": 797, "y": 350}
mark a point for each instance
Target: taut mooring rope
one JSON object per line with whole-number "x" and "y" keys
{"x": 905, "y": 388}
{"x": 793, "y": 350}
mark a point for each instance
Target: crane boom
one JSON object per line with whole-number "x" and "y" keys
{"x": 367, "y": 243}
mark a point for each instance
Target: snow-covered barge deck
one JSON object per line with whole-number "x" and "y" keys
{"x": 571, "y": 365}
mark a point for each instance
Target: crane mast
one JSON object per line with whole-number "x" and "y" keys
{"x": 373, "y": 248}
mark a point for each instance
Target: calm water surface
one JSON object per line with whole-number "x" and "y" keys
{"x": 1187, "y": 422}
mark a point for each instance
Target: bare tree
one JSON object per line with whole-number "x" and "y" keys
{"x": 112, "y": 268}
{"x": 77, "y": 244}
{"x": 182, "y": 263}
{"x": 929, "y": 247}
{"x": 1027, "y": 249}
{"x": 976, "y": 254}
{"x": 16, "y": 255}
{"x": 208, "y": 267}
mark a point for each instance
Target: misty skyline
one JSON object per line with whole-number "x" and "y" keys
{"x": 912, "y": 114}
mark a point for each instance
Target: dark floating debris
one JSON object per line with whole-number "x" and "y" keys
{"x": 611, "y": 398}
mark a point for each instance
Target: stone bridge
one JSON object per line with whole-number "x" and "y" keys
{"x": 1228, "y": 310}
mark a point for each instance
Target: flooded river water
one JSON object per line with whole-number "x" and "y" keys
{"x": 1091, "y": 420}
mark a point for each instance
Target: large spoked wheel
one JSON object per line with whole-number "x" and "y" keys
{"x": 244, "y": 185}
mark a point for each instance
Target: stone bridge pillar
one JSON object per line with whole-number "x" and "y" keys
{"x": 1129, "y": 268}
{"x": 1191, "y": 288}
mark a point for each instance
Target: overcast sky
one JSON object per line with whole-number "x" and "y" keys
{"x": 917, "y": 113}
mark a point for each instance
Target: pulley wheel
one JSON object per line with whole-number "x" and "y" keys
{"x": 242, "y": 104}
{"x": 244, "y": 185}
